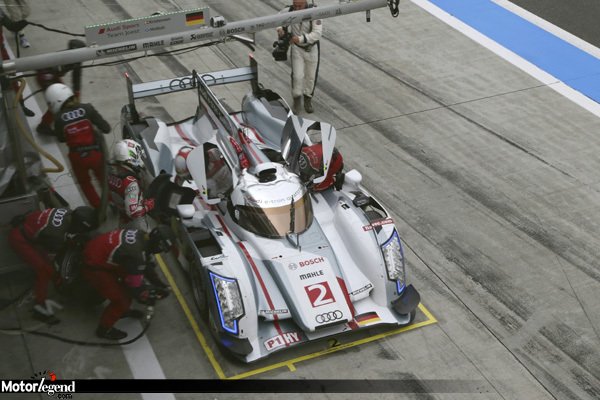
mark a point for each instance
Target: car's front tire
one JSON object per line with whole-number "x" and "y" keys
{"x": 199, "y": 290}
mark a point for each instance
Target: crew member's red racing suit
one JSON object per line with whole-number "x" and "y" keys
{"x": 115, "y": 263}
{"x": 75, "y": 126}
{"x": 126, "y": 194}
{"x": 37, "y": 240}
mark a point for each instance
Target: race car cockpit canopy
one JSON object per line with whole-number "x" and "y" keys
{"x": 271, "y": 202}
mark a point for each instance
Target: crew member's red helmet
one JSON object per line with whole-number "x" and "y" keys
{"x": 311, "y": 166}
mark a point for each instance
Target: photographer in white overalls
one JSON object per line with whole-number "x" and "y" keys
{"x": 305, "y": 56}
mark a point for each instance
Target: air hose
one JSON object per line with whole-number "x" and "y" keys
{"x": 145, "y": 324}
{"x": 58, "y": 166}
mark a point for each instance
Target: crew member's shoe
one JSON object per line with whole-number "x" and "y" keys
{"x": 297, "y": 107}
{"x": 110, "y": 333}
{"x": 23, "y": 41}
{"x": 26, "y": 111}
{"x": 41, "y": 313}
{"x": 308, "y": 104}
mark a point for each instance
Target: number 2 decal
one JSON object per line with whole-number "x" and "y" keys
{"x": 319, "y": 294}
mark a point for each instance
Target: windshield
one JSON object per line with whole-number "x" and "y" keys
{"x": 276, "y": 222}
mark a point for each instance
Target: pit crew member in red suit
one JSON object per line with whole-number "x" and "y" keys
{"x": 37, "y": 237}
{"x": 311, "y": 166}
{"x": 76, "y": 125}
{"x": 115, "y": 264}
{"x": 125, "y": 181}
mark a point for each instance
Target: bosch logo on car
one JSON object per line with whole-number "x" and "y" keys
{"x": 73, "y": 115}
{"x": 312, "y": 261}
{"x": 329, "y": 317}
{"x": 235, "y": 30}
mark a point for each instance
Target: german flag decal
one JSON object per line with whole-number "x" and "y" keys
{"x": 195, "y": 18}
{"x": 367, "y": 318}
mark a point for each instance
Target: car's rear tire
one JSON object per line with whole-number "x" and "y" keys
{"x": 199, "y": 290}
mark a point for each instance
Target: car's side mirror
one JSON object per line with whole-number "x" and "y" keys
{"x": 352, "y": 178}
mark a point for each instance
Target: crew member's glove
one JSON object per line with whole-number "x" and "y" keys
{"x": 160, "y": 293}
{"x": 77, "y": 240}
{"x": 144, "y": 294}
{"x": 147, "y": 294}
{"x": 148, "y": 204}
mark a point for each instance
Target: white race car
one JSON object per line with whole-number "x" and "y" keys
{"x": 274, "y": 262}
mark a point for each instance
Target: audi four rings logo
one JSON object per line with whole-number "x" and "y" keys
{"x": 329, "y": 316}
{"x": 57, "y": 220}
{"x": 302, "y": 162}
{"x": 130, "y": 236}
{"x": 72, "y": 115}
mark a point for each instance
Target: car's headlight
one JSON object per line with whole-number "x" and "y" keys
{"x": 229, "y": 301}
{"x": 394, "y": 260}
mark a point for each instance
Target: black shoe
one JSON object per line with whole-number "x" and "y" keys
{"x": 110, "y": 333}
{"x": 135, "y": 314}
{"x": 26, "y": 111}
{"x": 308, "y": 104}
{"x": 49, "y": 319}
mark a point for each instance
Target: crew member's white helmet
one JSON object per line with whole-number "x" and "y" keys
{"x": 56, "y": 95}
{"x": 129, "y": 153}
{"x": 181, "y": 162}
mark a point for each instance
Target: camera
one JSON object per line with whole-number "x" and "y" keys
{"x": 217, "y": 22}
{"x": 281, "y": 46}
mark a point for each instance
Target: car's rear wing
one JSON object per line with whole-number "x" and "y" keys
{"x": 165, "y": 86}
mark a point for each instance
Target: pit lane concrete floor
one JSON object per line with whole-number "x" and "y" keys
{"x": 490, "y": 175}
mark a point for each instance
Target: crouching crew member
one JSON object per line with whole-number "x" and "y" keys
{"x": 37, "y": 237}
{"x": 125, "y": 180}
{"x": 116, "y": 264}
{"x": 75, "y": 124}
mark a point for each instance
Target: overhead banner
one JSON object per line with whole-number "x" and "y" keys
{"x": 140, "y": 28}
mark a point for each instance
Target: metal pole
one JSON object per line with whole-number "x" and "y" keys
{"x": 37, "y": 62}
{"x": 10, "y": 112}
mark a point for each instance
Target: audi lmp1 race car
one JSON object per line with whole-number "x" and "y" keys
{"x": 275, "y": 258}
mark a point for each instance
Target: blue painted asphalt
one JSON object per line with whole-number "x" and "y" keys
{"x": 567, "y": 63}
